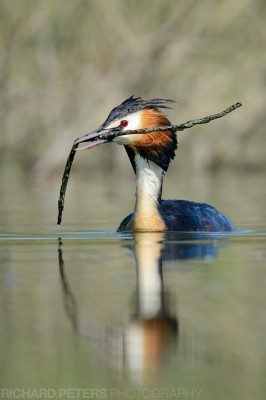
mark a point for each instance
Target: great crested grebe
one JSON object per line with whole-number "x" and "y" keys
{"x": 150, "y": 155}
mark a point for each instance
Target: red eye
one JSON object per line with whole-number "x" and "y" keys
{"x": 124, "y": 122}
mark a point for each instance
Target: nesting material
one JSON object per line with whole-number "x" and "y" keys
{"x": 64, "y": 183}
{"x": 111, "y": 135}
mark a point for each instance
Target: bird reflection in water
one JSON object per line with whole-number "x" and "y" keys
{"x": 152, "y": 331}
{"x": 148, "y": 338}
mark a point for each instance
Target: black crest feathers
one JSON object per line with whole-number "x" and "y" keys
{"x": 134, "y": 104}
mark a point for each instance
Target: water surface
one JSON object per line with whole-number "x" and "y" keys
{"x": 85, "y": 307}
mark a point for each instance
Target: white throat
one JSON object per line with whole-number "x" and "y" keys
{"x": 149, "y": 180}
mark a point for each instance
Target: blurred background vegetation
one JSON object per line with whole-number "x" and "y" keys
{"x": 65, "y": 64}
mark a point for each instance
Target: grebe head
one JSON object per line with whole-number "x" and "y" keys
{"x": 136, "y": 113}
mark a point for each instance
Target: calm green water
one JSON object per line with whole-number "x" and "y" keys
{"x": 97, "y": 310}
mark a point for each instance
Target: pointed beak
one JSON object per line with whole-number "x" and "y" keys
{"x": 95, "y": 138}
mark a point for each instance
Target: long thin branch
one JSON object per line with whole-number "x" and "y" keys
{"x": 181, "y": 127}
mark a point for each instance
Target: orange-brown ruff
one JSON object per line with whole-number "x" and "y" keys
{"x": 153, "y": 143}
{"x": 150, "y": 155}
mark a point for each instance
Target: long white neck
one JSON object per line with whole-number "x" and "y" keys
{"x": 149, "y": 181}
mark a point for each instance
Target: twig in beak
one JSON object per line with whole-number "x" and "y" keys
{"x": 181, "y": 127}
{"x": 64, "y": 183}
